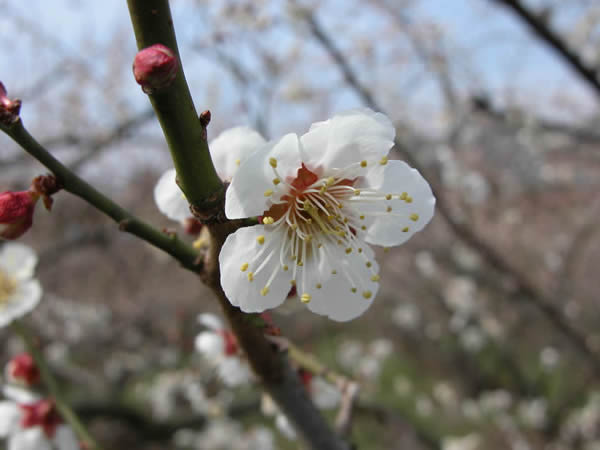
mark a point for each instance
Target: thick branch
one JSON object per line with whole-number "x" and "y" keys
{"x": 540, "y": 27}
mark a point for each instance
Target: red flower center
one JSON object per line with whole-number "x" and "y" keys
{"x": 42, "y": 413}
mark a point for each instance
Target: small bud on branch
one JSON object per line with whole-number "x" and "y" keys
{"x": 9, "y": 109}
{"x": 155, "y": 68}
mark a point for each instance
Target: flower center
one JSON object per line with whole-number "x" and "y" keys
{"x": 8, "y": 286}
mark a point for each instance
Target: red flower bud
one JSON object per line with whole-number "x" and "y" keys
{"x": 22, "y": 368}
{"x": 155, "y": 68}
{"x": 16, "y": 213}
{"x": 9, "y": 109}
{"x": 192, "y": 226}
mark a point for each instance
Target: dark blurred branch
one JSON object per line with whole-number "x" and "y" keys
{"x": 524, "y": 285}
{"x": 483, "y": 105}
{"x": 541, "y": 28}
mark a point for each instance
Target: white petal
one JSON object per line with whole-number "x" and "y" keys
{"x": 18, "y": 260}
{"x": 245, "y": 196}
{"x": 29, "y": 439}
{"x": 10, "y": 415}
{"x": 19, "y": 395}
{"x": 65, "y": 438}
{"x": 170, "y": 199}
{"x": 231, "y": 148}
{"x": 325, "y": 395}
{"x": 335, "y": 299}
{"x": 387, "y": 229}
{"x": 234, "y": 371}
{"x": 241, "y": 248}
{"x": 285, "y": 427}
{"x": 210, "y": 345}
{"x": 210, "y": 321}
{"x": 348, "y": 138}
{"x": 25, "y": 298}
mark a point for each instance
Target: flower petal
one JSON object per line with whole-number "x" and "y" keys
{"x": 350, "y": 291}
{"x": 10, "y": 415}
{"x": 29, "y": 439}
{"x": 249, "y": 192}
{"x": 348, "y": 138}
{"x": 232, "y": 147}
{"x": 23, "y": 300}
{"x": 210, "y": 321}
{"x": 247, "y": 266}
{"x": 324, "y": 394}
{"x": 233, "y": 371}
{"x": 65, "y": 438}
{"x": 18, "y": 260}
{"x": 404, "y": 218}
{"x": 170, "y": 199}
{"x": 210, "y": 345}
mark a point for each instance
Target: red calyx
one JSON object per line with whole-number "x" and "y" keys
{"x": 42, "y": 413}
{"x": 231, "y": 343}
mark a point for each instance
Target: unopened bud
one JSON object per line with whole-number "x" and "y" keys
{"x": 155, "y": 68}
{"x": 9, "y": 109}
{"x": 22, "y": 369}
{"x": 43, "y": 414}
{"x": 16, "y": 213}
{"x": 192, "y": 226}
{"x": 46, "y": 186}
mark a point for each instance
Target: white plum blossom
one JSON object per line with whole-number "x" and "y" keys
{"x": 227, "y": 151}
{"x": 220, "y": 347}
{"x": 19, "y": 291}
{"x": 323, "y": 198}
{"x": 30, "y": 423}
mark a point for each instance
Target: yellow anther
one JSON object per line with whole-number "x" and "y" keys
{"x": 367, "y": 294}
{"x": 408, "y": 200}
{"x": 319, "y": 286}
{"x": 383, "y": 161}
{"x": 273, "y": 162}
{"x": 348, "y": 251}
{"x": 388, "y": 196}
{"x": 244, "y": 267}
{"x": 250, "y": 276}
{"x": 322, "y": 190}
{"x": 285, "y": 267}
{"x": 405, "y": 230}
{"x": 294, "y": 226}
{"x": 200, "y": 243}
{"x": 375, "y": 278}
{"x": 276, "y": 181}
{"x": 339, "y": 242}
{"x": 346, "y": 220}
{"x": 356, "y": 191}
{"x": 361, "y": 217}
{"x": 319, "y": 245}
{"x": 363, "y": 163}
{"x": 330, "y": 218}
{"x": 308, "y": 238}
{"x": 264, "y": 291}
{"x": 237, "y": 162}
{"x": 300, "y": 263}
{"x": 414, "y": 217}
{"x": 359, "y": 250}
{"x": 388, "y": 209}
{"x": 353, "y": 290}
{"x": 339, "y": 205}
{"x": 309, "y": 221}
{"x": 403, "y": 196}
{"x": 268, "y": 220}
{"x": 334, "y": 272}
{"x": 260, "y": 239}
{"x": 305, "y": 298}
{"x": 330, "y": 181}
{"x": 368, "y": 264}
{"x": 268, "y": 192}
{"x": 363, "y": 227}
{"x": 386, "y": 249}
{"x": 293, "y": 282}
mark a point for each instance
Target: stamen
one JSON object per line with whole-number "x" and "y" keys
{"x": 260, "y": 239}
{"x": 405, "y": 230}
{"x": 273, "y": 162}
{"x": 367, "y": 294}
{"x": 414, "y": 217}
{"x": 383, "y": 161}
{"x": 250, "y": 276}
{"x": 268, "y": 192}
{"x": 305, "y": 298}
{"x": 264, "y": 291}
{"x": 244, "y": 267}
{"x": 276, "y": 181}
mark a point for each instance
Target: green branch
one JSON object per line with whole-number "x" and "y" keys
{"x": 70, "y": 182}
{"x": 153, "y": 24}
